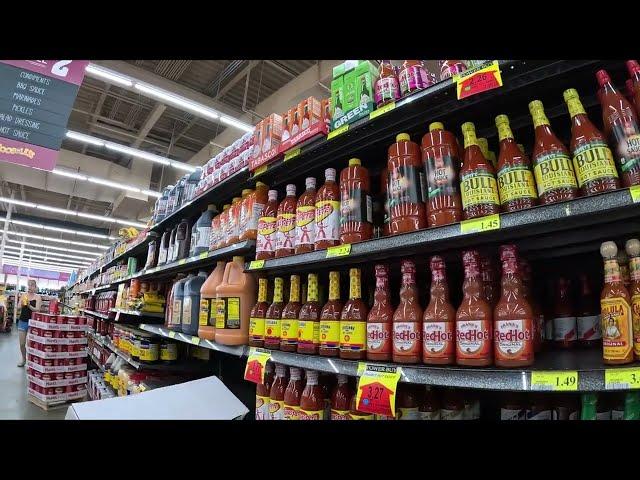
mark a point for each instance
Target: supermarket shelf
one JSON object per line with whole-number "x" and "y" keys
{"x": 95, "y": 290}
{"x": 96, "y": 362}
{"x": 543, "y": 228}
{"x": 136, "y": 313}
{"x": 103, "y": 316}
{"x": 238, "y": 351}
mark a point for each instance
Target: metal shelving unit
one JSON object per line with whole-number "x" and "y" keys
{"x": 103, "y": 316}
{"x": 238, "y": 351}
{"x": 136, "y": 313}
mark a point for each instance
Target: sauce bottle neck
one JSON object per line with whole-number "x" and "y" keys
{"x": 470, "y": 138}
{"x": 540, "y": 118}
{"x": 262, "y": 290}
{"x": 334, "y": 286}
{"x": 294, "y": 289}
{"x": 504, "y": 131}
{"x": 355, "y": 290}
{"x": 312, "y": 378}
{"x": 612, "y": 271}
{"x": 575, "y": 107}
{"x": 278, "y": 294}
{"x": 312, "y": 288}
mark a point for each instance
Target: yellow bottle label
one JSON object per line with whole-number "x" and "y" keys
{"x": 617, "y": 328}
{"x": 593, "y": 161}
{"x": 272, "y": 328}
{"x": 635, "y": 315}
{"x": 308, "y": 332}
{"x": 221, "y": 312}
{"x": 291, "y": 412}
{"x": 516, "y": 182}
{"x": 205, "y": 311}
{"x": 186, "y": 311}
{"x": 353, "y": 335}
{"x": 329, "y": 333}
{"x": 289, "y": 330}
{"x": 478, "y": 188}
{"x": 554, "y": 170}
{"x": 310, "y": 414}
{"x": 256, "y": 327}
{"x": 364, "y": 416}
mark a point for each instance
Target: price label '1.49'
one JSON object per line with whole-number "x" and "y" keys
{"x": 561, "y": 381}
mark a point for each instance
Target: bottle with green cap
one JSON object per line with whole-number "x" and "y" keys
{"x": 552, "y": 166}
{"x": 441, "y": 160}
{"x": 592, "y": 158}
{"x": 589, "y": 406}
{"x": 632, "y": 406}
{"x": 356, "y": 222}
{"x": 479, "y": 190}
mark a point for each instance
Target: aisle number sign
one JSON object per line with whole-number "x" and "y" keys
{"x": 256, "y": 365}
{"x": 377, "y": 389}
{"x": 561, "y": 381}
{"x": 482, "y": 224}
{"x": 622, "y": 378}
{"x": 478, "y": 80}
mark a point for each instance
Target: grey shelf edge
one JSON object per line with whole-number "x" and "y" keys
{"x": 95, "y": 314}
{"x": 238, "y": 351}
{"x": 135, "y": 313}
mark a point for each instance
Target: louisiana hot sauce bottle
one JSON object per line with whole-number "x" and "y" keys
{"x": 341, "y": 398}
{"x": 441, "y": 159}
{"x": 353, "y": 321}
{"x": 592, "y": 159}
{"x": 407, "y": 211}
{"x": 478, "y": 186}
{"x": 306, "y": 218}
{"x": 474, "y": 329}
{"x": 328, "y": 212}
{"x": 622, "y": 128}
{"x": 355, "y": 203}
{"x": 262, "y": 394}
{"x": 439, "y": 321}
{"x": 615, "y": 311}
{"x": 273, "y": 316}
{"x": 330, "y": 319}
{"x": 513, "y": 334}
{"x": 380, "y": 318}
{"x": 286, "y": 223}
{"x": 289, "y": 317}
{"x": 268, "y": 228}
{"x": 308, "y": 319}
{"x": 633, "y": 250}
{"x": 407, "y": 319}
{"x": 257, "y": 316}
{"x": 312, "y": 399}
{"x": 276, "y": 393}
{"x": 516, "y": 185}
{"x": 552, "y": 166}
{"x": 292, "y": 394}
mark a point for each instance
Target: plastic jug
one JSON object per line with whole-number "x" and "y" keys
{"x": 183, "y": 240}
{"x": 191, "y": 303}
{"x": 169, "y": 309}
{"x": 201, "y": 232}
{"x": 236, "y": 295}
{"x": 207, "y": 316}
{"x": 178, "y": 297}
{"x": 192, "y": 184}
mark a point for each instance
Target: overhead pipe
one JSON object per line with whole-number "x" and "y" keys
{"x": 244, "y": 100}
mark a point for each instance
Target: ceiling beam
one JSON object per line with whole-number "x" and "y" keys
{"x": 151, "y": 120}
{"x": 281, "y": 68}
{"x": 239, "y": 76}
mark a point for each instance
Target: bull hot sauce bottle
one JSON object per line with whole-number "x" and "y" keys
{"x": 633, "y": 250}
{"x": 441, "y": 159}
{"x": 380, "y": 318}
{"x": 353, "y": 321}
{"x": 308, "y": 323}
{"x": 483, "y": 143}
{"x": 341, "y": 398}
{"x": 328, "y": 212}
{"x": 439, "y": 321}
{"x": 634, "y": 72}
{"x": 615, "y": 311}
{"x": 330, "y": 319}
{"x": 262, "y": 393}
{"x": 286, "y": 223}
{"x": 276, "y": 393}
{"x": 565, "y": 327}
{"x": 268, "y": 228}
{"x": 478, "y": 186}
{"x": 592, "y": 159}
{"x": 355, "y": 203}
{"x": 407, "y": 211}
{"x": 292, "y": 394}
{"x": 258, "y": 314}
{"x": 474, "y": 318}
{"x": 552, "y": 166}
{"x": 588, "y": 315}
{"x": 272, "y": 325}
{"x": 312, "y": 399}
{"x": 516, "y": 185}
{"x": 289, "y": 317}
{"x": 407, "y": 319}
{"x": 306, "y": 218}
{"x": 621, "y": 127}
{"x": 513, "y": 335}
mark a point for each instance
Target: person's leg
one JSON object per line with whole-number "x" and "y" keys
{"x": 22, "y": 335}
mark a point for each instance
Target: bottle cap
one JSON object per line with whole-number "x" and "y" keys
{"x": 342, "y": 379}
{"x": 354, "y": 162}
{"x": 403, "y": 137}
{"x": 381, "y": 270}
{"x": 330, "y": 174}
{"x": 273, "y": 194}
{"x": 603, "y": 77}
{"x": 633, "y": 247}
{"x": 436, "y": 263}
{"x": 408, "y": 266}
{"x": 246, "y": 191}
{"x": 354, "y": 272}
{"x": 310, "y": 182}
{"x": 570, "y": 93}
{"x": 470, "y": 257}
{"x": 291, "y": 190}
{"x": 535, "y": 105}
{"x": 608, "y": 250}
{"x": 633, "y": 67}
{"x": 468, "y": 127}
{"x": 502, "y": 119}
{"x": 436, "y": 126}
{"x": 508, "y": 252}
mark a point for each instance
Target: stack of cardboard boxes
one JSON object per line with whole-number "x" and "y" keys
{"x": 352, "y": 91}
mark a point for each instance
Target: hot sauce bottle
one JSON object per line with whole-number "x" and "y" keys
{"x": 407, "y": 211}
{"x": 513, "y": 334}
{"x": 355, "y": 203}
{"x": 224, "y": 226}
{"x": 341, "y": 398}
{"x": 276, "y": 393}
{"x": 588, "y": 319}
{"x": 633, "y": 249}
{"x": 441, "y": 159}
{"x": 306, "y": 218}
{"x": 564, "y": 316}
{"x": 407, "y": 403}
{"x": 328, "y": 212}
{"x": 355, "y": 414}
{"x": 622, "y": 128}
{"x": 407, "y": 319}
{"x": 292, "y": 394}
{"x": 257, "y": 316}
{"x": 327, "y": 382}
{"x": 449, "y": 68}
{"x": 380, "y": 319}
{"x": 412, "y": 77}
{"x": 516, "y": 185}
{"x": 474, "y": 318}
{"x": 477, "y": 179}
{"x": 273, "y": 315}
{"x": 308, "y": 323}
{"x": 538, "y": 314}
{"x": 430, "y": 405}
{"x": 634, "y": 72}
{"x": 251, "y": 211}
{"x": 387, "y": 87}
{"x": 289, "y": 317}
{"x": 615, "y": 311}
{"x": 312, "y": 399}
{"x": 330, "y": 319}
{"x": 268, "y": 228}
{"x": 285, "y": 239}
{"x": 452, "y": 405}
{"x": 552, "y": 166}
{"x": 592, "y": 159}
{"x": 262, "y": 394}
{"x": 490, "y": 281}
{"x": 439, "y": 321}
{"x": 353, "y": 321}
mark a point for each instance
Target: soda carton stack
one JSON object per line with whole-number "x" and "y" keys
{"x": 56, "y": 359}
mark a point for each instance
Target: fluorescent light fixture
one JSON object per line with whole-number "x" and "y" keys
{"x": 102, "y": 181}
{"x": 131, "y": 224}
{"x": 56, "y": 210}
{"x": 66, "y": 173}
{"x": 63, "y": 230}
{"x": 84, "y": 252}
{"x": 53, "y": 255}
{"x": 236, "y": 123}
{"x": 151, "y": 193}
{"x": 137, "y": 153}
{"x": 109, "y": 183}
{"x": 94, "y": 217}
{"x": 106, "y": 74}
{"x": 17, "y": 202}
{"x": 85, "y": 138}
{"x": 183, "y": 166}
{"x": 177, "y": 100}
{"x": 57, "y": 240}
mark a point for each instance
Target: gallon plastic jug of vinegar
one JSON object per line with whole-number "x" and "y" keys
{"x": 207, "y": 316}
{"x": 191, "y": 303}
{"x": 235, "y": 297}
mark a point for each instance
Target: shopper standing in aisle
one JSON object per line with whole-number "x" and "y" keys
{"x": 30, "y": 302}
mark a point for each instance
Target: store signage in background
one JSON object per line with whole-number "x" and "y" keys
{"x": 34, "y": 272}
{"x": 36, "y": 97}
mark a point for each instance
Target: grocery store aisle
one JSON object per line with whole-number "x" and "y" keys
{"x": 13, "y": 387}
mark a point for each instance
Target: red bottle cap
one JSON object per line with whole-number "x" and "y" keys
{"x": 470, "y": 257}
{"x": 381, "y": 270}
{"x": 508, "y": 252}
{"x": 408, "y": 266}
{"x": 603, "y": 77}
{"x": 437, "y": 263}
{"x": 633, "y": 67}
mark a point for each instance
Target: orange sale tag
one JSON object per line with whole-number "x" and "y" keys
{"x": 377, "y": 389}
{"x": 256, "y": 365}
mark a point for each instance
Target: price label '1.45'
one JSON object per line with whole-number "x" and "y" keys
{"x": 482, "y": 224}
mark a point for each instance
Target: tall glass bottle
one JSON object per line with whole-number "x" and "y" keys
{"x": 289, "y": 317}
{"x": 439, "y": 320}
{"x": 308, "y": 319}
{"x": 565, "y": 327}
{"x": 273, "y": 316}
{"x": 380, "y": 319}
{"x": 633, "y": 250}
{"x": 353, "y": 321}
{"x": 407, "y": 319}
{"x": 330, "y": 319}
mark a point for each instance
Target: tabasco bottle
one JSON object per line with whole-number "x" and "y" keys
{"x": 353, "y": 321}
{"x": 330, "y": 319}
{"x": 592, "y": 159}
{"x": 286, "y": 236}
{"x": 516, "y": 185}
{"x": 306, "y": 218}
{"x": 268, "y": 228}
{"x": 552, "y": 166}
{"x": 308, "y": 323}
{"x": 328, "y": 212}
{"x": 289, "y": 317}
{"x": 513, "y": 335}
{"x": 621, "y": 127}
{"x": 407, "y": 319}
{"x": 634, "y": 72}
{"x": 477, "y": 179}
{"x": 588, "y": 315}
{"x": 633, "y": 250}
{"x": 355, "y": 203}
{"x": 538, "y": 314}
{"x": 439, "y": 320}
{"x": 474, "y": 318}
{"x": 380, "y": 319}
{"x": 273, "y": 315}
{"x": 615, "y": 309}
{"x": 564, "y": 316}
{"x": 387, "y": 87}
{"x": 258, "y": 314}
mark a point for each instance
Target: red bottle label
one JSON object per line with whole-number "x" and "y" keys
{"x": 513, "y": 339}
{"x": 473, "y": 339}
{"x": 438, "y": 339}
{"x": 379, "y": 337}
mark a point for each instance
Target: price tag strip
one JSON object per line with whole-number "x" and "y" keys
{"x": 292, "y": 154}
{"x": 338, "y": 131}
{"x": 381, "y": 111}
{"x": 482, "y": 224}
{"x": 622, "y": 378}
{"x": 478, "y": 80}
{"x": 635, "y": 193}
{"x": 256, "y": 365}
{"x": 377, "y": 388}
{"x": 339, "y": 251}
{"x": 561, "y": 381}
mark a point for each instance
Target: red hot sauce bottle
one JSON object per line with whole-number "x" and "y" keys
{"x": 330, "y": 319}
{"x": 312, "y": 399}
{"x": 308, "y": 324}
{"x": 380, "y": 319}
{"x": 588, "y": 319}
{"x": 353, "y": 321}
{"x": 268, "y": 228}
{"x": 273, "y": 316}
{"x": 407, "y": 319}
{"x": 285, "y": 239}
{"x": 328, "y": 212}
{"x": 439, "y": 321}
{"x": 306, "y": 218}
{"x": 356, "y": 207}
{"x": 564, "y": 316}
{"x": 289, "y": 317}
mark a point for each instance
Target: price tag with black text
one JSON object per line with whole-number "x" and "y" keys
{"x": 561, "y": 381}
{"x": 377, "y": 389}
{"x": 256, "y": 365}
{"x": 482, "y": 224}
{"x": 622, "y": 378}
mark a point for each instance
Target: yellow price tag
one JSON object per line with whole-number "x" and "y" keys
{"x": 172, "y": 334}
{"x": 260, "y": 170}
{"x": 338, "y": 131}
{"x": 339, "y": 251}
{"x": 635, "y": 193}
{"x": 622, "y": 378}
{"x": 477, "y": 80}
{"x": 195, "y": 340}
{"x": 203, "y": 255}
{"x": 555, "y": 381}
{"x": 182, "y": 262}
{"x": 256, "y": 365}
{"x": 292, "y": 154}
{"x": 381, "y": 111}
{"x": 482, "y": 224}
{"x": 377, "y": 389}
{"x": 255, "y": 264}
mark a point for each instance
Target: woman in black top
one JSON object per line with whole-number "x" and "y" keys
{"x": 29, "y": 302}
